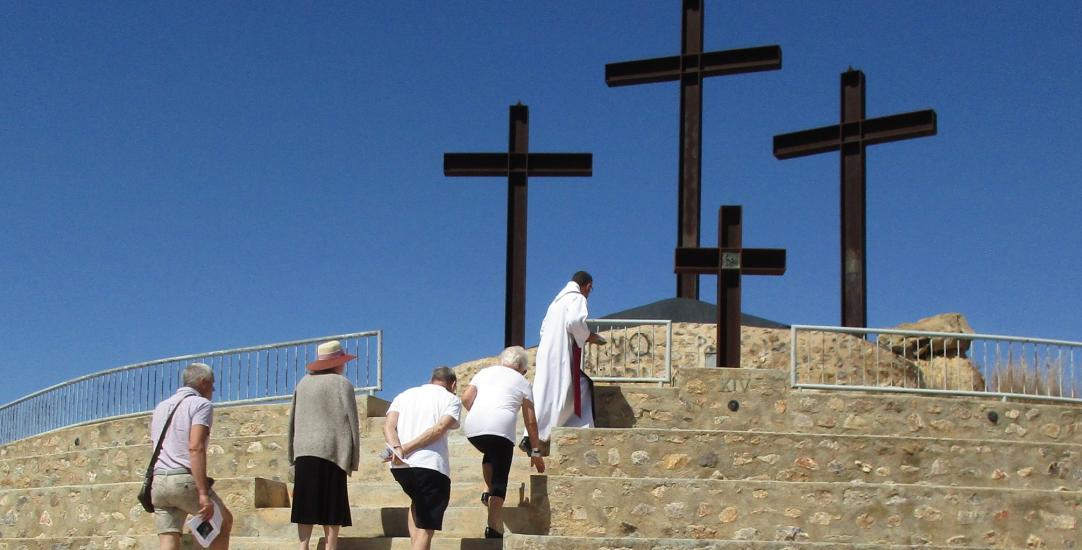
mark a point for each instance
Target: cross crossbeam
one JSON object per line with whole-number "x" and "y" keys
{"x": 729, "y": 261}
{"x": 851, "y": 136}
{"x": 518, "y": 164}
{"x": 690, "y": 67}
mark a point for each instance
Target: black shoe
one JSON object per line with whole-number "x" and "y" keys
{"x": 484, "y": 498}
{"x": 491, "y": 533}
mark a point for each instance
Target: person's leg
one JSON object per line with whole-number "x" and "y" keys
{"x": 423, "y": 540}
{"x": 221, "y": 542}
{"x": 501, "y": 452}
{"x": 330, "y": 533}
{"x": 411, "y": 524}
{"x": 304, "y": 535}
{"x": 169, "y": 541}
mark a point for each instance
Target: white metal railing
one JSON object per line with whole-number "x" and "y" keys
{"x": 243, "y": 375}
{"x": 636, "y": 351}
{"x": 935, "y": 362}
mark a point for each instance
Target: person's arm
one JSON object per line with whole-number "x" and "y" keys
{"x": 576, "y": 320}
{"x": 530, "y": 420}
{"x": 469, "y": 396}
{"x": 197, "y": 453}
{"x": 354, "y": 427}
{"x": 390, "y": 435}
{"x": 429, "y": 436}
{"x": 292, "y": 417}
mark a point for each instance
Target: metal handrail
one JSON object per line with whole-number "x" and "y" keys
{"x": 245, "y": 375}
{"x": 987, "y": 365}
{"x": 620, "y": 361}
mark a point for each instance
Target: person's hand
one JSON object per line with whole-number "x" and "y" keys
{"x": 206, "y": 507}
{"x": 538, "y": 464}
{"x": 597, "y": 339}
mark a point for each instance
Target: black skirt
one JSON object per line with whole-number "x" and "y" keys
{"x": 319, "y": 493}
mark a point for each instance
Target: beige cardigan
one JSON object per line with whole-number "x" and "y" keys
{"x": 323, "y": 421}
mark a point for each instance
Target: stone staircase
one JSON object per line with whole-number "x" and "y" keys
{"x": 722, "y": 459}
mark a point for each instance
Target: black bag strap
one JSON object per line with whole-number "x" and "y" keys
{"x": 161, "y": 438}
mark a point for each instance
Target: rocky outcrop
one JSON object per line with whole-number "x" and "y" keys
{"x": 914, "y": 347}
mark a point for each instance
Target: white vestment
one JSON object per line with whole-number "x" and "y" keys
{"x": 553, "y": 398}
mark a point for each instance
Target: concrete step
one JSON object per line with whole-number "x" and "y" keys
{"x": 403, "y": 543}
{"x": 459, "y": 521}
{"x": 805, "y": 457}
{"x": 262, "y": 456}
{"x": 229, "y": 421}
{"x": 545, "y": 542}
{"x": 464, "y": 492}
{"x": 813, "y": 512}
{"x": 112, "y": 509}
{"x": 141, "y": 542}
{"x": 758, "y": 399}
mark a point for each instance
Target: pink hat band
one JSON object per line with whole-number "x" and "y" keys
{"x": 332, "y": 355}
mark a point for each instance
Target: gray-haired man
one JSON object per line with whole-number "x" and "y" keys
{"x": 181, "y": 486}
{"x": 416, "y": 430}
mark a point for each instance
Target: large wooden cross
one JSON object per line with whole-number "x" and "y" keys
{"x": 690, "y": 67}
{"x": 729, "y": 261}
{"x": 518, "y": 164}
{"x": 851, "y": 137}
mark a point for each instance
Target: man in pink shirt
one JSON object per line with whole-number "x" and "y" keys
{"x": 181, "y": 485}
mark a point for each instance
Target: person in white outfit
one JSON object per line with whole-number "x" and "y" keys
{"x": 494, "y": 396}
{"x": 562, "y": 393}
{"x": 416, "y": 433}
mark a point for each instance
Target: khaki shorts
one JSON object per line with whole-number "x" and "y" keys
{"x": 175, "y": 497}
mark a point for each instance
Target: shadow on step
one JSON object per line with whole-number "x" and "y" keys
{"x": 612, "y": 409}
{"x": 383, "y": 543}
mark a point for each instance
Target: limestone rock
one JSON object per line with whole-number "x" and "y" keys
{"x": 923, "y": 348}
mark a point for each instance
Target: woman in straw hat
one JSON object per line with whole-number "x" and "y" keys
{"x": 324, "y": 445}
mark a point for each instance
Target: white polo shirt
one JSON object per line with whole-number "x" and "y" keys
{"x": 500, "y": 392}
{"x": 195, "y": 409}
{"x": 419, "y": 409}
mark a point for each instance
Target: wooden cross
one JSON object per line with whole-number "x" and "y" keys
{"x": 729, "y": 261}
{"x": 518, "y": 164}
{"x": 851, "y": 137}
{"x": 690, "y": 67}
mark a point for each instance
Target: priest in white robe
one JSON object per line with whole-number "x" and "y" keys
{"x": 557, "y": 400}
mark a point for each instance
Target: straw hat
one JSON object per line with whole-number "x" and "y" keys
{"x": 329, "y": 356}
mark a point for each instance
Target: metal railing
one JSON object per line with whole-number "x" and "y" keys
{"x": 243, "y": 375}
{"x": 636, "y": 351}
{"x": 935, "y": 362}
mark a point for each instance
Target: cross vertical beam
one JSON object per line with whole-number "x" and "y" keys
{"x": 517, "y": 165}
{"x": 729, "y": 261}
{"x": 690, "y": 67}
{"x": 851, "y": 137}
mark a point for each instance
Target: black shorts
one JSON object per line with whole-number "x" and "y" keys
{"x": 498, "y": 451}
{"x": 430, "y": 492}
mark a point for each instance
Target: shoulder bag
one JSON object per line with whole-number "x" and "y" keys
{"x": 148, "y": 481}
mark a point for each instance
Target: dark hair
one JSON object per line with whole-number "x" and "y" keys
{"x": 582, "y": 278}
{"x": 444, "y": 374}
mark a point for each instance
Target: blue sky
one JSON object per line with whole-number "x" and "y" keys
{"x": 186, "y": 177}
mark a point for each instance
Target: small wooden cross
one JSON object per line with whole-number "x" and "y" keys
{"x": 690, "y": 67}
{"x": 851, "y": 137}
{"x": 518, "y": 164}
{"x": 729, "y": 261}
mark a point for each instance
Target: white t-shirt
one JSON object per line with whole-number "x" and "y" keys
{"x": 419, "y": 409}
{"x": 500, "y": 391}
{"x": 194, "y": 410}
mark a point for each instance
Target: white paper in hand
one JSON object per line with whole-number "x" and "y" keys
{"x": 205, "y": 531}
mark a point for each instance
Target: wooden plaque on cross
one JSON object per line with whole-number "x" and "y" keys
{"x": 729, "y": 261}
{"x": 851, "y": 136}
{"x": 690, "y": 67}
{"x": 518, "y": 164}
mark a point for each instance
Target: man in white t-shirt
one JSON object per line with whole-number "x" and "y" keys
{"x": 181, "y": 485}
{"x": 494, "y": 396}
{"x": 416, "y": 431}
